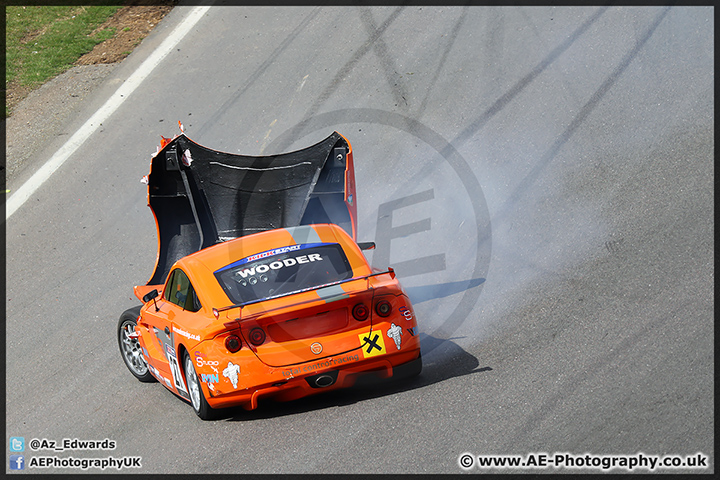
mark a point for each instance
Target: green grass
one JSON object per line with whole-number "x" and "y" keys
{"x": 45, "y": 41}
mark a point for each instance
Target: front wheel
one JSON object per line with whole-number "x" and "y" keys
{"x": 130, "y": 347}
{"x": 197, "y": 398}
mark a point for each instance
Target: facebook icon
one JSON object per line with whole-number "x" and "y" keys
{"x": 17, "y": 462}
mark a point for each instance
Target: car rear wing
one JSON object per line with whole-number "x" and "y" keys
{"x": 216, "y": 311}
{"x": 201, "y": 197}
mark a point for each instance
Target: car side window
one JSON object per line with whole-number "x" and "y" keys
{"x": 180, "y": 292}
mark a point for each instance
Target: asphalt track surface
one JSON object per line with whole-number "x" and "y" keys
{"x": 541, "y": 177}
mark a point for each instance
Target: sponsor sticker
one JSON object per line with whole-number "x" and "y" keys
{"x": 276, "y": 265}
{"x": 312, "y": 367}
{"x": 270, "y": 253}
{"x": 372, "y": 344}
{"x": 231, "y": 372}
{"x": 185, "y": 334}
{"x": 395, "y": 333}
{"x": 201, "y": 361}
{"x": 406, "y": 313}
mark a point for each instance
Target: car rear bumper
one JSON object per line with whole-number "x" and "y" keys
{"x": 311, "y": 380}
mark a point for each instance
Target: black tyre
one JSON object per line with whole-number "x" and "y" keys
{"x": 130, "y": 347}
{"x": 197, "y": 398}
{"x": 408, "y": 370}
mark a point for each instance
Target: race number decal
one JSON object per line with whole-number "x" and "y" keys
{"x": 175, "y": 369}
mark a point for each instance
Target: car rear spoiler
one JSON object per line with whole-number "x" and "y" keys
{"x": 201, "y": 197}
{"x": 216, "y": 311}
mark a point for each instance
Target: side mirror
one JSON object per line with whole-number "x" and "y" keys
{"x": 151, "y": 295}
{"x": 366, "y": 245}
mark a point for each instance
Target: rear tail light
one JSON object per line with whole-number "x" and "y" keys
{"x": 383, "y": 308}
{"x": 233, "y": 343}
{"x": 360, "y": 312}
{"x": 257, "y": 336}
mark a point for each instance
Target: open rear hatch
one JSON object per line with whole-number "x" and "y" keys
{"x": 201, "y": 197}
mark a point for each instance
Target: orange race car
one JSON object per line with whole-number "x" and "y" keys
{"x": 260, "y": 289}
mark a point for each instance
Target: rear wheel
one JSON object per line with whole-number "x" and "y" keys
{"x": 408, "y": 370}
{"x": 197, "y": 398}
{"x": 130, "y": 347}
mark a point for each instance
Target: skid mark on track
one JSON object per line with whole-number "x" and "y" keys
{"x": 578, "y": 120}
{"x": 228, "y": 105}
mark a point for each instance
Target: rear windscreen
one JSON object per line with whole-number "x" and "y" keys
{"x": 283, "y": 270}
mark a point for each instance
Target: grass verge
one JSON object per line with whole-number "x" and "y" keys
{"x": 44, "y": 41}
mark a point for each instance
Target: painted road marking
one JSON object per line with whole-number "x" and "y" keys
{"x": 23, "y": 193}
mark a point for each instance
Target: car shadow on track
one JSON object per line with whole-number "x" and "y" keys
{"x": 445, "y": 360}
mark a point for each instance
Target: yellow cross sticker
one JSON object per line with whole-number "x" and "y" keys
{"x": 372, "y": 344}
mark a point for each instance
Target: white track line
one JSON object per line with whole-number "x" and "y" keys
{"x": 23, "y": 193}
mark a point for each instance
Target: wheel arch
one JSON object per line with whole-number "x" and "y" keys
{"x": 181, "y": 349}
{"x": 133, "y": 311}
